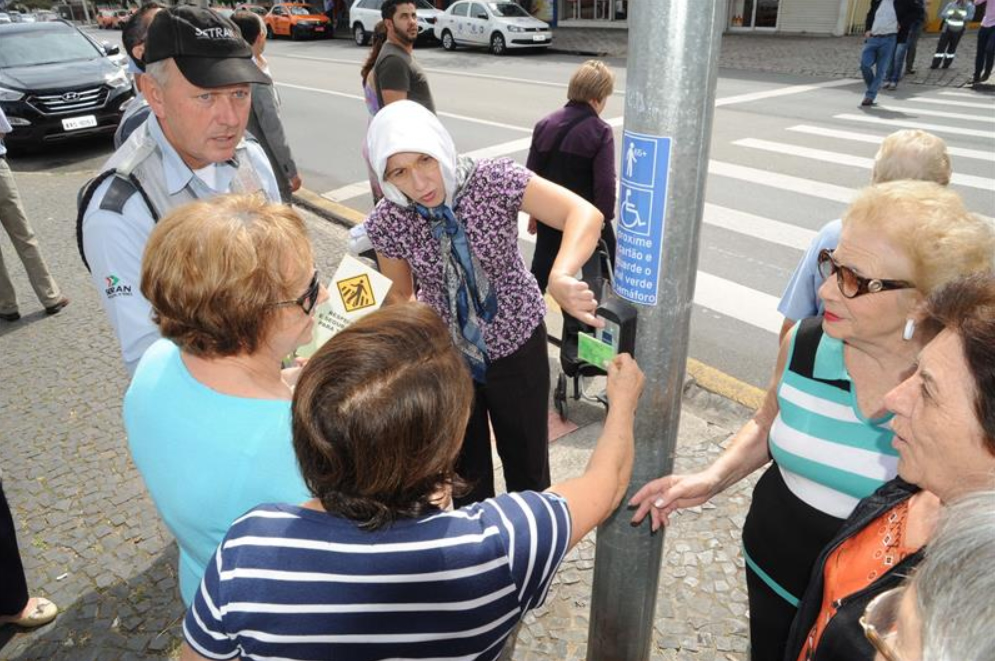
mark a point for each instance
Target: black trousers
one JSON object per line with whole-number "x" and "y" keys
{"x": 946, "y": 48}
{"x": 13, "y": 586}
{"x": 515, "y": 400}
{"x": 985, "y": 56}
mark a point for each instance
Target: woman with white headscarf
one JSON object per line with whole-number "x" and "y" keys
{"x": 450, "y": 223}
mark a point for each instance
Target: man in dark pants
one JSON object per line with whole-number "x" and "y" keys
{"x": 885, "y": 19}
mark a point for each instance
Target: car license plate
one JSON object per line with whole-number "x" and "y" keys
{"x": 74, "y": 123}
{"x": 538, "y": 37}
{"x": 320, "y": 28}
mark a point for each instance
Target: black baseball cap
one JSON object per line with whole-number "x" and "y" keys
{"x": 208, "y": 48}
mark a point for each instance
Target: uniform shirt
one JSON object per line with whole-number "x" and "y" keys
{"x": 206, "y": 457}
{"x": 294, "y": 583}
{"x": 114, "y": 242}
{"x": 488, "y": 207}
{"x": 395, "y": 69}
{"x": 801, "y": 296}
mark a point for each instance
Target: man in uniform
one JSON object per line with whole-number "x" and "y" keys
{"x": 198, "y": 73}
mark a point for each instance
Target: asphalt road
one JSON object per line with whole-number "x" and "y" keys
{"x": 787, "y": 152}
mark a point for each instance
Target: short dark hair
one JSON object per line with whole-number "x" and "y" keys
{"x": 249, "y": 24}
{"x": 389, "y": 8}
{"x": 135, "y": 28}
{"x": 379, "y": 415}
{"x": 967, "y": 307}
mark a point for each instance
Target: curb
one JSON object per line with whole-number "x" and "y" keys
{"x": 337, "y": 213}
{"x": 704, "y": 376}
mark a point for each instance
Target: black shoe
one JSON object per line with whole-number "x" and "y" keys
{"x": 867, "y": 102}
{"x": 55, "y": 309}
{"x": 10, "y": 316}
{"x": 910, "y": 72}
{"x": 946, "y": 65}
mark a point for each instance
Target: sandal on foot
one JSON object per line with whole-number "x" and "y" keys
{"x": 44, "y": 611}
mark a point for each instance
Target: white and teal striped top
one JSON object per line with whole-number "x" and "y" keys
{"x": 830, "y": 455}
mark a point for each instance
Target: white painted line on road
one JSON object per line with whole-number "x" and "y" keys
{"x": 348, "y": 191}
{"x": 781, "y": 91}
{"x": 445, "y": 72}
{"x": 782, "y": 181}
{"x": 464, "y": 118}
{"x": 902, "y": 124}
{"x": 765, "y": 229}
{"x": 966, "y": 95}
{"x": 970, "y": 181}
{"x": 876, "y": 140}
{"x": 947, "y": 102}
{"x": 738, "y": 301}
{"x": 939, "y": 113}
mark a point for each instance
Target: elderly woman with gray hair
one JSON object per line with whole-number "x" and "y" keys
{"x": 944, "y": 423}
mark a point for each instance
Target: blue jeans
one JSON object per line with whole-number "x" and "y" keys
{"x": 896, "y": 69}
{"x": 874, "y": 61}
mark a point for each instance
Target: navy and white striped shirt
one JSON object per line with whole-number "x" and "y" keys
{"x": 293, "y": 583}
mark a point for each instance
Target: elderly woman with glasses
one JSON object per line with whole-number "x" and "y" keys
{"x": 944, "y": 612}
{"x": 824, "y": 422}
{"x": 233, "y": 286}
{"x": 944, "y": 425}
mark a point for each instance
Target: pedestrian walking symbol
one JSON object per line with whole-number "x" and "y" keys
{"x": 356, "y": 293}
{"x": 642, "y": 208}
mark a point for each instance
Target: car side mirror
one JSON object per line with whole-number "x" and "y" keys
{"x": 109, "y": 48}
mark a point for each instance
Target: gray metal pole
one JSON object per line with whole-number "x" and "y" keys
{"x": 669, "y": 104}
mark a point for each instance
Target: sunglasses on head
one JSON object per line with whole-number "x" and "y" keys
{"x": 308, "y": 299}
{"x": 852, "y": 285}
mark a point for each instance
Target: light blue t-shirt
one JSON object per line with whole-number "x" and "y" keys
{"x": 801, "y": 297}
{"x": 206, "y": 458}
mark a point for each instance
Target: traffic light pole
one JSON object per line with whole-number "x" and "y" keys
{"x": 669, "y": 104}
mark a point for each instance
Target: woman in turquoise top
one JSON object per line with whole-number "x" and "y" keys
{"x": 233, "y": 286}
{"x": 824, "y": 421}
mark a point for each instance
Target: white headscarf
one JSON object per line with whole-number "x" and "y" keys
{"x": 406, "y": 126}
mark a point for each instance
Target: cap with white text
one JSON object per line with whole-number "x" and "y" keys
{"x": 208, "y": 48}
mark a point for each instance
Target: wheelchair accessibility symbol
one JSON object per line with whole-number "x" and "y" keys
{"x": 635, "y": 210}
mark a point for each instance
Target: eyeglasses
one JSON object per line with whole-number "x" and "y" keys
{"x": 308, "y": 299}
{"x": 880, "y": 622}
{"x": 852, "y": 285}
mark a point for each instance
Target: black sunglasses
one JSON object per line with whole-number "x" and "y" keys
{"x": 852, "y": 285}
{"x": 308, "y": 299}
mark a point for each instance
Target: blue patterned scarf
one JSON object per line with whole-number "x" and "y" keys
{"x": 472, "y": 302}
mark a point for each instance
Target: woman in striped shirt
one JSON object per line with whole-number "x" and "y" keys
{"x": 824, "y": 421}
{"x": 375, "y": 566}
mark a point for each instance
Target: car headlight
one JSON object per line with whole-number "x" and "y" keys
{"x": 10, "y": 95}
{"x": 117, "y": 80}
{"x": 515, "y": 28}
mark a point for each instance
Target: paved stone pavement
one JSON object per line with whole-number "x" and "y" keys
{"x": 828, "y": 57}
{"x": 91, "y": 540}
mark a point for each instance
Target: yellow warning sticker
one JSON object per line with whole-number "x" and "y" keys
{"x": 356, "y": 292}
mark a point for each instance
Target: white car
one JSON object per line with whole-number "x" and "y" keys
{"x": 365, "y": 14}
{"x": 495, "y": 25}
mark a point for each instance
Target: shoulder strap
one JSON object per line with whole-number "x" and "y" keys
{"x": 555, "y": 147}
{"x": 807, "y": 339}
{"x": 120, "y": 191}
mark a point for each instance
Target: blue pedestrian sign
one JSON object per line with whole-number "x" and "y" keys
{"x": 642, "y": 208}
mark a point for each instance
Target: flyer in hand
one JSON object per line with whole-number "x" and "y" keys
{"x": 355, "y": 291}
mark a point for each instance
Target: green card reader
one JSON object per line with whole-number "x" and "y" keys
{"x": 617, "y": 336}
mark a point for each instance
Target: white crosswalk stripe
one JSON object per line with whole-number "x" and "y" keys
{"x": 906, "y": 124}
{"x": 947, "y": 102}
{"x": 876, "y": 140}
{"x": 939, "y": 113}
{"x": 984, "y": 183}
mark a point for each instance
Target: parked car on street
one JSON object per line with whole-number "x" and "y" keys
{"x": 255, "y": 9}
{"x": 45, "y": 16}
{"x": 365, "y": 14}
{"x": 297, "y": 20}
{"x": 112, "y": 19}
{"x": 494, "y": 25}
{"x": 56, "y": 84}
{"x": 4, "y": 17}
